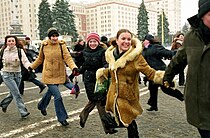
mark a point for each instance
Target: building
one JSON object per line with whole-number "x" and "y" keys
{"x": 172, "y": 10}
{"x": 105, "y": 16}
{"x": 22, "y": 12}
{"x": 108, "y": 16}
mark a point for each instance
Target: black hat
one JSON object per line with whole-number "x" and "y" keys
{"x": 204, "y": 7}
{"x": 104, "y": 39}
{"x": 149, "y": 37}
{"x": 52, "y": 31}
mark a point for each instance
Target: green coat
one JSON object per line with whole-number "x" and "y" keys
{"x": 196, "y": 55}
{"x": 54, "y": 68}
{"x": 123, "y": 94}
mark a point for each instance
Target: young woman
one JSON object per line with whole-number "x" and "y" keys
{"x": 94, "y": 58}
{"x": 54, "y": 73}
{"x": 11, "y": 73}
{"x": 125, "y": 62}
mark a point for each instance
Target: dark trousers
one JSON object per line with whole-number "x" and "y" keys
{"x": 181, "y": 78}
{"x": 133, "y": 130}
{"x": 153, "y": 88}
{"x": 35, "y": 81}
{"x": 204, "y": 133}
{"x": 89, "y": 107}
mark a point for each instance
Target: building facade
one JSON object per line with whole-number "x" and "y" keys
{"x": 105, "y": 17}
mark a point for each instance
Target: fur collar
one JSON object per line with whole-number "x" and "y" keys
{"x": 129, "y": 55}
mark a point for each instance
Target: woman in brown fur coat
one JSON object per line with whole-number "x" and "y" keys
{"x": 125, "y": 63}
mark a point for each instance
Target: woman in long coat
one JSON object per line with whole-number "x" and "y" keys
{"x": 125, "y": 63}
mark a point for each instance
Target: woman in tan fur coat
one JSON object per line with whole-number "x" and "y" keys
{"x": 125, "y": 63}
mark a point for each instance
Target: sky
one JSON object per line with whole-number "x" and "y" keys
{"x": 188, "y": 8}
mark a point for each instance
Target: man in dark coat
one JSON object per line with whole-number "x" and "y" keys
{"x": 195, "y": 53}
{"x": 153, "y": 53}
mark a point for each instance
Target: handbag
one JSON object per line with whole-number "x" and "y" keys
{"x": 102, "y": 87}
{"x": 75, "y": 90}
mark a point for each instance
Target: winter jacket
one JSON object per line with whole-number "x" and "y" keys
{"x": 93, "y": 60}
{"x": 123, "y": 93}
{"x": 54, "y": 69}
{"x": 154, "y": 55}
{"x": 11, "y": 61}
{"x": 195, "y": 53}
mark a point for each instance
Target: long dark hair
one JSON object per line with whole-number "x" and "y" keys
{"x": 16, "y": 40}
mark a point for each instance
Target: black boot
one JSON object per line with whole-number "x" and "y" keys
{"x": 133, "y": 130}
{"x": 152, "y": 109}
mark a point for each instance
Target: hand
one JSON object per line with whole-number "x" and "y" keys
{"x": 167, "y": 84}
{"x": 30, "y": 69}
{"x": 75, "y": 72}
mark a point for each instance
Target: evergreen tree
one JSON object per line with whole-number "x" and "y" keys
{"x": 64, "y": 19}
{"x": 45, "y": 19}
{"x": 166, "y": 35}
{"x": 142, "y": 21}
{"x": 185, "y": 28}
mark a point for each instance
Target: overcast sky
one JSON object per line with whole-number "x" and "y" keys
{"x": 189, "y": 7}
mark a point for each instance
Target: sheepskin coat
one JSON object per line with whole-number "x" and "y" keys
{"x": 54, "y": 68}
{"x": 123, "y": 94}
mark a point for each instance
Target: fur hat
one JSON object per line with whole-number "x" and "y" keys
{"x": 93, "y": 35}
{"x": 204, "y": 7}
{"x": 52, "y": 31}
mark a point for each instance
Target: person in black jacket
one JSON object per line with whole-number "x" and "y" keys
{"x": 153, "y": 53}
{"x": 94, "y": 58}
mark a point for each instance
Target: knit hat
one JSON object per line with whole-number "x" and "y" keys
{"x": 27, "y": 38}
{"x": 93, "y": 36}
{"x": 204, "y": 7}
{"x": 149, "y": 37}
{"x": 104, "y": 39}
{"x": 52, "y": 31}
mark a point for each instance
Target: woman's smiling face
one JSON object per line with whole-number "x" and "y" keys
{"x": 93, "y": 43}
{"x": 124, "y": 41}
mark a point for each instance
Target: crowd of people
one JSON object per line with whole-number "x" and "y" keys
{"x": 121, "y": 59}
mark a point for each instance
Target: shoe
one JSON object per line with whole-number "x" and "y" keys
{"x": 4, "y": 109}
{"x": 81, "y": 122}
{"x": 44, "y": 112}
{"x": 64, "y": 123}
{"x": 24, "y": 116}
{"x": 181, "y": 98}
{"x": 111, "y": 131}
{"x": 152, "y": 109}
{"x": 41, "y": 89}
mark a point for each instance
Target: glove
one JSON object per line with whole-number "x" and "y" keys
{"x": 75, "y": 72}
{"x": 167, "y": 84}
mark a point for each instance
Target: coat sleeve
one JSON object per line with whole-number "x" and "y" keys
{"x": 39, "y": 59}
{"x": 177, "y": 64}
{"x": 67, "y": 57}
{"x": 24, "y": 59}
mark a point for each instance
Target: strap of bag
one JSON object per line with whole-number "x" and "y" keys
{"x": 60, "y": 49}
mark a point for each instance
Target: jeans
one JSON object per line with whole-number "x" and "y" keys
{"x": 58, "y": 102}
{"x": 204, "y": 133}
{"x": 68, "y": 85}
{"x": 12, "y": 81}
